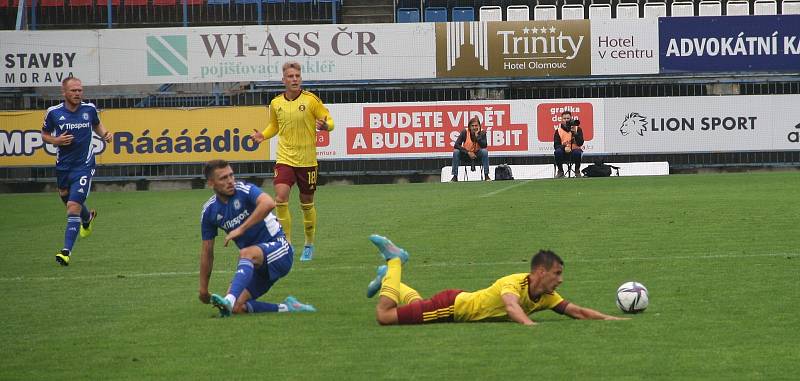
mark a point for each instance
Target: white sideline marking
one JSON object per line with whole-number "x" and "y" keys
{"x": 365, "y": 266}
{"x": 490, "y": 194}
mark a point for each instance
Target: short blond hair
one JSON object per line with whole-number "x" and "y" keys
{"x": 292, "y": 65}
{"x": 67, "y": 80}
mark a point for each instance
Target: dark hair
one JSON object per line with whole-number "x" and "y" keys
{"x": 475, "y": 119}
{"x": 546, "y": 259}
{"x": 566, "y": 112}
{"x": 213, "y": 165}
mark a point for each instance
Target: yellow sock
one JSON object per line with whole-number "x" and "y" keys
{"x": 408, "y": 294}
{"x": 391, "y": 281}
{"x": 285, "y": 218}
{"x": 309, "y": 222}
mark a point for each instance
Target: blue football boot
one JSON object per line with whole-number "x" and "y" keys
{"x": 375, "y": 285}
{"x": 388, "y": 249}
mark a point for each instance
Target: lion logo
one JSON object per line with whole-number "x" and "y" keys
{"x": 634, "y": 123}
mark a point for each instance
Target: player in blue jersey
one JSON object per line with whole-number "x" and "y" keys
{"x": 70, "y": 126}
{"x": 244, "y": 212}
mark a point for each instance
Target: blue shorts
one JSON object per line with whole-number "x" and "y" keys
{"x": 78, "y": 181}
{"x": 278, "y": 259}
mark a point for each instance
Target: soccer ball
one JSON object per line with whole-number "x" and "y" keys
{"x": 632, "y": 297}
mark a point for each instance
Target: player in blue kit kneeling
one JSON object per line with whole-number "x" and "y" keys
{"x": 244, "y": 212}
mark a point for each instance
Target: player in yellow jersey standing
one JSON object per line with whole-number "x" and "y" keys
{"x": 296, "y": 116}
{"x": 512, "y": 297}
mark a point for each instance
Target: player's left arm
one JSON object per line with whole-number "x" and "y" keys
{"x": 322, "y": 116}
{"x": 101, "y": 131}
{"x": 264, "y": 205}
{"x": 582, "y": 313}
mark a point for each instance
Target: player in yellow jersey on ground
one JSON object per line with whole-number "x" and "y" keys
{"x": 512, "y": 297}
{"x": 296, "y": 116}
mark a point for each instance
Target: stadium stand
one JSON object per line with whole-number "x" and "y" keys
{"x": 573, "y": 11}
{"x": 791, "y": 7}
{"x": 765, "y": 7}
{"x": 84, "y": 14}
{"x": 517, "y": 13}
{"x": 679, "y": 9}
{"x": 657, "y": 9}
{"x": 463, "y": 14}
{"x": 737, "y": 8}
{"x": 545, "y": 12}
{"x": 491, "y": 13}
{"x": 408, "y": 15}
{"x": 710, "y": 8}
{"x": 600, "y": 11}
{"x": 627, "y": 10}
{"x": 435, "y": 14}
{"x": 81, "y": 14}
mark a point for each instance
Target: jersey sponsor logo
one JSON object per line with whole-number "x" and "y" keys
{"x": 231, "y": 224}
{"x": 75, "y": 126}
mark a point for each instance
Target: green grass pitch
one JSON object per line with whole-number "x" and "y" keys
{"x": 720, "y": 254}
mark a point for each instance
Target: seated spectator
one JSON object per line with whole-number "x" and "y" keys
{"x": 471, "y": 145}
{"x": 567, "y": 143}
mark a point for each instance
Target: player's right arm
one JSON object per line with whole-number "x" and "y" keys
{"x": 48, "y": 127}
{"x": 206, "y": 265}
{"x": 582, "y": 313}
{"x": 270, "y": 131}
{"x": 514, "y": 310}
{"x": 61, "y": 140}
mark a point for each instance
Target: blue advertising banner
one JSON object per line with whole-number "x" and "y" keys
{"x": 729, "y": 43}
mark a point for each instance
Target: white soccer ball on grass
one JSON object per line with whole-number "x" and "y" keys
{"x": 632, "y": 297}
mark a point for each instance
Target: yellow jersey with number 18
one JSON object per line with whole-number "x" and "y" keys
{"x": 294, "y": 121}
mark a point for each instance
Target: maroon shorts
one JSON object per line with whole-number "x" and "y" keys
{"x": 438, "y": 309}
{"x": 305, "y": 177}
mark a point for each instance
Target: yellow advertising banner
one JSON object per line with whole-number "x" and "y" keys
{"x": 145, "y": 136}
{"x": 513, "y": 49}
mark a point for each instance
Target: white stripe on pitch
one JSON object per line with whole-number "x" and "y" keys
{"x": 372, "y": 266}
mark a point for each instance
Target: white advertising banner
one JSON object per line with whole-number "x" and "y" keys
{"x": 34, "y": 59}
{"x": 622, "y": 46}
{"x": 527, "y": 127}
{"x": 428, "y": 130}
{"x": 256, "y": 53}
{"x": 702, "y": 124}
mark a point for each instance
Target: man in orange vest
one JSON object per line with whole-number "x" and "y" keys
{"x": 567, "y": 142}
{"x": 471, "y": 145}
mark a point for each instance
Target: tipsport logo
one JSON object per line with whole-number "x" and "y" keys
{"x": 167, "y": 56}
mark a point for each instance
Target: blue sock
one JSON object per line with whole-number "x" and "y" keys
{"x": 73, "y": 224}
{"x": 255, "y": 307}
{"x": 244, "y": 272}
{"x": 85, "y": 216}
